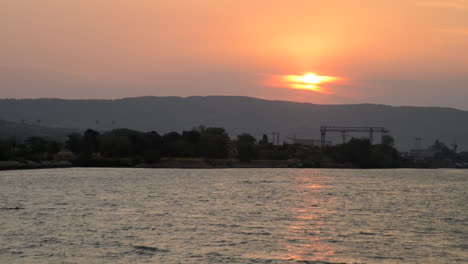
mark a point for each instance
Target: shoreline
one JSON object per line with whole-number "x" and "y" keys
{"x": 187, "y": 163}
{"x": 31, "y": 165}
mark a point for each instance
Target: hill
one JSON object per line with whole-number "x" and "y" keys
{"x": 21, "y": 131}
{"x": 241, "y": 114}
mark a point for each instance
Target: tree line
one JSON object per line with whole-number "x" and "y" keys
{"x": 126, "y": 147}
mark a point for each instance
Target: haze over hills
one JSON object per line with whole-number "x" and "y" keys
{"x": 22, "y": 131}
{"x": 241, "y": 114}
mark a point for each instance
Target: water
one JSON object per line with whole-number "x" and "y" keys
{"x": 233, "y": 216}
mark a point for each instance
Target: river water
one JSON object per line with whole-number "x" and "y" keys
{"x": 233, "y": 216}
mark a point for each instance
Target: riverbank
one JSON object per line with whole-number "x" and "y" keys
{"x": 178, "y": 163}
{"x": 29, "y": 165}
{"x": 199, "y": 163}
{"x": 169, "y": 163}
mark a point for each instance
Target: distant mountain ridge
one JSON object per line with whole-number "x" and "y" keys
{"x": 241, "y": 114}
{"x": 22, "y": 131}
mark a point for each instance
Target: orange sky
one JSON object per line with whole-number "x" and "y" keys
{"x": 412, "y": 52}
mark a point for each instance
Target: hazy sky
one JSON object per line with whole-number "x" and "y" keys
{"x": 400, "y": 52}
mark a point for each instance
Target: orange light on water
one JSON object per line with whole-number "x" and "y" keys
{"x": 315, "y": 186}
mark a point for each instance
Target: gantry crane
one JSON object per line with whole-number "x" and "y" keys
{"x": 344, "y": 130}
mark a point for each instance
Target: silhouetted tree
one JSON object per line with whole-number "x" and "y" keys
{"x": 357, "y": 152}
{"x": 74, "y": 143}
{"x": 264, "y": 140}
{"x": 388, "y": 140}
{"x": 5, "y": 150}
{"x": 36, "y": 145}
{"x": 384, "y": 156}
{"x": 191, "y": 141}
{"x": 172, "y": 144}
{"x": 153, "y": 140}
{"x": 246, "y": 147}
{"x": 152, "y": 153}
{"x": 443, "y": 155}
{"x": 120, "y": 143}
{"x": 214, "y": 143}
{"x": 90, "y": 143}
{"x": 463, "y": 156}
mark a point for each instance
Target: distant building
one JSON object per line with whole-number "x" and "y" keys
{"x": 309, "y": 142}
{"x": 421, "y": 155}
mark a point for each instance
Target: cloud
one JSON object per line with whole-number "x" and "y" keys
{"x": 447, "y": 4}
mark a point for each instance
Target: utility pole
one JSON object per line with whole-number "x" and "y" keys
{"x": 323, "y": 134}
{"x": 275, "y": 139}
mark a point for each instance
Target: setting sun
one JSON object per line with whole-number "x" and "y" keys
{"x": 311, "y": 78}
{"x": 308, "y": 81}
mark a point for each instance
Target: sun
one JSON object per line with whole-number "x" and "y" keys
{"x": 311, "y": 78}
{"x": 308, "y": 81}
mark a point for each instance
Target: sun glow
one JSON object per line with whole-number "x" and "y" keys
{"x": 308, "y": 81}
{"x": 311, "y": 78}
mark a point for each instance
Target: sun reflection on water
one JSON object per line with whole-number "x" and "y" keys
{"x": 307, "y": 237}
